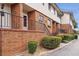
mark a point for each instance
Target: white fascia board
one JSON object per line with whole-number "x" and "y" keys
{"x": 40, "y": 8}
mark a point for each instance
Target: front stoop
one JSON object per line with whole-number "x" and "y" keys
{"x": 41, "y": 51}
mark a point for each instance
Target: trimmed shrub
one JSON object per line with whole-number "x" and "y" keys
{"x": 61, "y": 35}
{"x": 51, "y": 42}
{"x": 66, "y": 37}
{"x": 32, "y": 46}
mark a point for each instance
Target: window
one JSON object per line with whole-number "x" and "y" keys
{"x": 25, "y": 21}
{"x": 51, "y": 8}
{"x": 5, "y": 20}
{"x": 41, "y": 18}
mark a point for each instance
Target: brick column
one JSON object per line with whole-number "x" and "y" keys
{"x": 58, "y": 27}
{"x": 16, "y": 10}
{"x": 31, "y": 20}
{"x": 54, "y": 27}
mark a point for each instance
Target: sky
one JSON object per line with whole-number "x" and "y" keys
{"x": 72, "y": 7}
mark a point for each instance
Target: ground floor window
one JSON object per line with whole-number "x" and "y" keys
{"x": 5, "y": 20}
{"x": 25, "y": 21}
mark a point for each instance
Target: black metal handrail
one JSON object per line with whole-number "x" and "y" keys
{"x": 43, "y": 27}
{"x": 37, "y": 25}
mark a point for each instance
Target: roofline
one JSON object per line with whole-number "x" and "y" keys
{"x": 68, "y": 12}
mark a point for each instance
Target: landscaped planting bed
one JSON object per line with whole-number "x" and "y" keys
{"x": 49, "y": 42}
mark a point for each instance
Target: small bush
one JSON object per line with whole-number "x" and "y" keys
{"x": 51, "y": 42}
{"x": 32, "y": 46}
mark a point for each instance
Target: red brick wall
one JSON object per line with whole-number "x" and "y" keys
{"x": 31, "y": 20}
{"x": 67, "y": 28}
{"x": 54, "y": 27}
{"x": 37, "y": 15}
{"x": 34, "y": 16}
{"x": 16, "y": 11}
{"x": 15, "y": 41}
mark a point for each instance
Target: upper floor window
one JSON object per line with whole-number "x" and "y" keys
{"x": 51, "y": 8}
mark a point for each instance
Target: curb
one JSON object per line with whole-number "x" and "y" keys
{"x": 43, "y": 53}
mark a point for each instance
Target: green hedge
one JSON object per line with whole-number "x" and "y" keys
{"x": 66, "y": 37}
{"x": 32, "y": 46}
{"x": 51, "y": 42}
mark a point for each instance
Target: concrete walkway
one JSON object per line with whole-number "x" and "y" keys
{"x": 70, "y": 50}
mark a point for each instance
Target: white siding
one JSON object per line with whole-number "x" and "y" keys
{"x": 44, "y": 9}
{"x": 65, "y": 19}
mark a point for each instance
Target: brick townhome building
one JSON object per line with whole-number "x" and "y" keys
{"x": 67, "y": 22}
{"x": 20, "y": 23}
